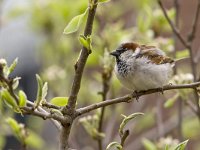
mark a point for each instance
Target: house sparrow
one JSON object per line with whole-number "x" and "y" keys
{"x": 141, "y": 67}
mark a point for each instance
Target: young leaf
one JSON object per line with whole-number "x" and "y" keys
{"x": 15, "y": 126}
{"x": 126, "y": 120}
{"x": 75, "y": 23}
{"x": 22, "y": 98}
{"x": 12, "y": 66}
{"x": 89, "y": 41}
{"x": 44, "y": 90}
{"x": 167, "y": 147}
{"x": 83, "y": 41}
{"x": 15, "y": 82}
{"x": 59, "y": 101}
{"x": 3, "y": 62}
{"x": 10, "y": 101}
{"x": 182, "y": 145}
{"x": 149, "y": 145}
{"x": 170, "y": 102}
{"x": 114, "y": 144}
{"x": 39, "y": 91}
{"x": 33, "y": 140}
{"x": 103, "y": 1}
{"x": 18, "y": 129}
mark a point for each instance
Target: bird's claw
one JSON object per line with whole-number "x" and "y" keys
{"x": 161, "y": 90}
{"x": 136, "y": 95}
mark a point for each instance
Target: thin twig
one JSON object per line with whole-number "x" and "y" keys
{"x": 188, "y": 45}
{"x": 169, "y": 125}
{"x": 191, "y": 106}
{"x": 159, "y": 117}
{"x": 106, "y": 76}
{"x": 191, "y": 36}
{"x": 31, "y": 111}
{"x": 40, "y": 109}
{"x": 175, "y": 30}
{"x": 180, "y": 118}
{"x": 180, "y": 102}
{"x": 176, "y": 5}
{"x": 27, "y": 110}
{"x": 49, "y": 105}
{"x": 9, "y": 83}
{"x": 129, "y": 97}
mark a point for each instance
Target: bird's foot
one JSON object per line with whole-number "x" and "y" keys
{"x": 161, "y": 90}
{"x": 135, "y": 93}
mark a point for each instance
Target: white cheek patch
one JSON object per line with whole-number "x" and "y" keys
{"x": 137, "y": 51}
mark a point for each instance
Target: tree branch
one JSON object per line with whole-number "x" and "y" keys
{"x": 106, "y": 76}
{"x": 129, "y": 97}
{"x": 191, "y": 36}
{"x": 175, "y": 30}
{"x": 49, "y": 105}
{"x": 188, "y": 45}
{"x": 69, "y": 110}
{"x": 43, "y": 115}
{"x": 40, "y": 109}
{"x": 80, "y": 65}
{"x": 180, "y": 101}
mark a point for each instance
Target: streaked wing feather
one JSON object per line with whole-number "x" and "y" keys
{"x": 152, "y": 53}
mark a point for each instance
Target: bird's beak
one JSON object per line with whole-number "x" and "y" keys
{"x": 115, "y": 53}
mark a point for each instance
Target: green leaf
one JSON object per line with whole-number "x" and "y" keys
{"x": 22, "y": 98}
{"x": 126, "y": 120}
{"x": 13, "y": 124}
{"x": 86, "y": 42}
{"x": 89, "y": 41}
{"x": 149, "y": 145}
{"x": 15, "y": 82}
{"x": 103, "y": 1}
{"x": 59, "y": 101}
{"x": 39, "y": 91}
{"x": 182, "y": 145}
{"x": 10, "y": 101}
{"x": 114, "y": 144}
{"x": 166, "y": 147}
{"x": 83, "y": 40}
{"x": 90, "y": 124}
{"x": 75, "y": 23}
{"x": 44, "y": 91}
{"x": 12, "y": 66}
{"x": 170, "y": 102}
{"x": 34, "y": 141}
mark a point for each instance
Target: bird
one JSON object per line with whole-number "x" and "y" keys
{"x": 142, "y": 67}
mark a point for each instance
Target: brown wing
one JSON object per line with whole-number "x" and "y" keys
{"x": 153, "y": 54}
